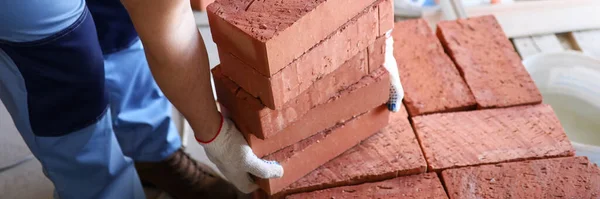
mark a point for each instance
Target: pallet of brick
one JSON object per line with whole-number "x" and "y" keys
{"x": 293, "y": 77}
{"x": 487, "y": 136}
{"x": 393, "y": 151}
{"x": 305, "y": 156}
{"x": 570, "y": 177}
{"x": 431, "y": 82}
{"x": 488, "y": 62}
{"x": 423, "y": 186}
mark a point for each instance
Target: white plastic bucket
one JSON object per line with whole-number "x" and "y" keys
{"x": 570, "y": 83}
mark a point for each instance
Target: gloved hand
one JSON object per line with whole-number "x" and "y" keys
{"x": 232, "y": 155}
{"x": 396, "y": 90}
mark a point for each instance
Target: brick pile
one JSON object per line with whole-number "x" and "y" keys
{"x": 472, "y": 124}
{"x": 302, "y": 95}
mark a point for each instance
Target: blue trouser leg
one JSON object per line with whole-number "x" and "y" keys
{"x": 52, "y": 81}
{"x": 142, "y": 115}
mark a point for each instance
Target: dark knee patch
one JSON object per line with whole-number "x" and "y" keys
{"x": 64, "y": 78}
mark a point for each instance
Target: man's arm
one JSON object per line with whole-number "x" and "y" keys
{"x": 178, "y": 59}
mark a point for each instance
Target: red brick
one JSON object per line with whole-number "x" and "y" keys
{"x": 491, "y": 136}
{"x": 430, "y": 80}
{"x": 365, "y": 95}
{"x": 572, "y": 177}
{"x": 301, "y": 158}
{"x": 200, "y": 5}
{"x": 270, "y": 34}
{"x": 386, "y": 16}
{"x": 299, "y": 75}
{"x": 393, "y": 151}
{"x": 376, "y": 52}
{"x": 421, "y": 186}
{"x": 488, "y": 62}
{"x": 254, "y": 118}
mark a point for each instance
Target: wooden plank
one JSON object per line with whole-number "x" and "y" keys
{"x": 528, "y": 46}
{"x": 543, "y": 17}
{"x": 588, "y": 42}
{"x": 547, "y": 43}
{"x": 459, "y": 9}
{"x": 525, "y": 18}
{"x": 525, "y": 46}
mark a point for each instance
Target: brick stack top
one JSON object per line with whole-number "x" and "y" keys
{"x": 270, "y": 34}
{"x": 302, "y": 80}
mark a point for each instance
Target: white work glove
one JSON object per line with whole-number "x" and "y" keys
{"x": 232, "y": 155}
{"x": 396, "y": 90}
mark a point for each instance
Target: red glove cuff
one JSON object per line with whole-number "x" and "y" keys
{"x": 218, "y": 131}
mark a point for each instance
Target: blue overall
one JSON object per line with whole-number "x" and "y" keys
{"x": 74, "y": 77}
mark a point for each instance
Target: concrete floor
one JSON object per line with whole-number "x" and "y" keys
{"x": 26, "y": 180}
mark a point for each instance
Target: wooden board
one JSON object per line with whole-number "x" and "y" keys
{"x": 531, "y": 45}
{"x": 588, "y": 42}
{"x": 528, "y": 18}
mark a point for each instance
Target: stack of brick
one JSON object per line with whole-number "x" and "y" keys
{"x": 302, "y": 80}
{"x": 512, "y": 147}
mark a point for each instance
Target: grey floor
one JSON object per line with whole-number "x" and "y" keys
{"x": 26, "y": 180}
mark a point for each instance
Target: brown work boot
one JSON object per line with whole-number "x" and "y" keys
{"x": 182, "y": 178}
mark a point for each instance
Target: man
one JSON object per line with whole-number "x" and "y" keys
{"x": 74, "y": 77}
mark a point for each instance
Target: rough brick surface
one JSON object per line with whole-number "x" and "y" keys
{"x": 488, "y": 62}
{"x": 370, "y": 92}
{"x": 386, "y": 16}
{"x": 270, "y": 34}
{"x": 431, "y": 81}
{"x": 376, "y": 54}
{"x": 572, "y": 177}
{"x": 299, "y": 75}
{"x": 393, "y": 151}
{"x": 491, "y": 136}
{"x": 423, "y": 186}
{"x": 341, "y": 94}
{"x": 272, "y": 121}
{"x": 301, "y": 158}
